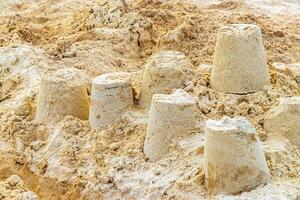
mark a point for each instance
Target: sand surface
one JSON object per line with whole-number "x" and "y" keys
{"x": 68, "y": 159}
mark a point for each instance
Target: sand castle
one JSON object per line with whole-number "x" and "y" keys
{"x": 103, "y": 143}
{"x": 234, "y": 160}
{"x": 170, "y": 117}
{"x": 61, "y": 94}
{"x": 240, "y": 64}
{"x": 164, "y": 72}
{"x": 111, "y": 96}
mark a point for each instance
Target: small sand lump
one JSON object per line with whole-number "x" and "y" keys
{"x": 284, "y": 120}
{"x": 14, "y": 188}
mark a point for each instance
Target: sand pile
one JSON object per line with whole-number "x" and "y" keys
{"x": 13, "y": 188}
{"x": 69, "y": 159}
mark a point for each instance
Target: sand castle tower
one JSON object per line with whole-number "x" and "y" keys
{"x": 164, "y": 72}
{"x": 234, "y": 160}
{"x": 171, "y": 117}
{"x": 61, "y": 94}
{"x": 111, "y": 96}
{"x": 240, "y": 64}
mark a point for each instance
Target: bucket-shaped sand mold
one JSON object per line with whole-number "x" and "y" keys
{"x": 61, "y": 94}
{"x": 240, "y": 64}
{"x": 111, "y": 95}
{"x": 164, "y": 72}
{"x": 170, "y": 117}
{"x": 234, "y": 160}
